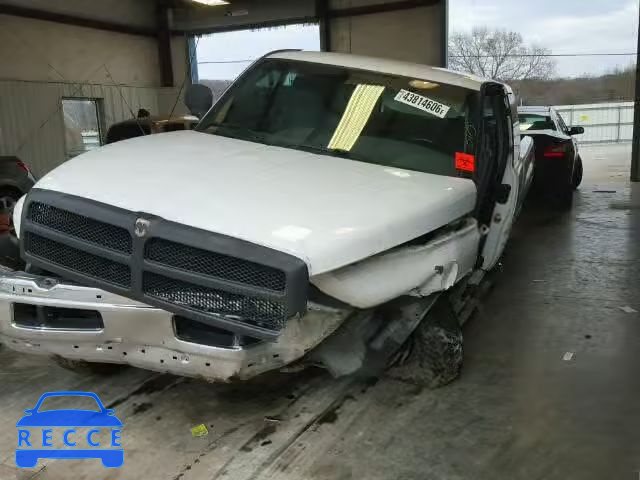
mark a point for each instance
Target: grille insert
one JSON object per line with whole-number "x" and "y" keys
{"x": 79, "y": 226}
{"x": 260, "y": 312}
{"x": 77, "y": 260}
{"x": 214, "y": 264}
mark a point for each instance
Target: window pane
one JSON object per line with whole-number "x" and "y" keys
{"x": 365, "y": 116}
{"x": 530, "y": 121}
{"x": 81, "y": 126}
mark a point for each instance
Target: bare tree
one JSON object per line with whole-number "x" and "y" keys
{"x": 499, "y": 54}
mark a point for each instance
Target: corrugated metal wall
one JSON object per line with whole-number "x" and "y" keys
{"x": 31, "y": 119}
{"x": 602, "y": 122}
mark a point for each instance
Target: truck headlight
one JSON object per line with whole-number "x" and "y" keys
{"x": 17, "y": 214}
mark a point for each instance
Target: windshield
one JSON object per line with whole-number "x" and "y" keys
{"x": 532, "y": 121}
{"x": 370, "y": 117}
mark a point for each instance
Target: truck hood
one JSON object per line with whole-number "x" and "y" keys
{"x": 328, "y": 211}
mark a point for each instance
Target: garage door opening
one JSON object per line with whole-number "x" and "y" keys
{"x": 221, "y": 57}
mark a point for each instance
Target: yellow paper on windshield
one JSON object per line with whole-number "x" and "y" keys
{"x": 355, "y": 117}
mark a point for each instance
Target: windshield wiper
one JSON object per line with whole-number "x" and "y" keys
{"x": 261, "y": 137}
{"x": 254, "y": 134}
{"x": 336, "y": 152}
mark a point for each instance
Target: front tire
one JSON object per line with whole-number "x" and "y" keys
{"x": 433, "y": 355}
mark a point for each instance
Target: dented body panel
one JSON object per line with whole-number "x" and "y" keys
{"x": 142, "y": 336}
{"x": 297, "y": 201}
{"x": 418, "y": 270}
{"x": 145, "y": 337}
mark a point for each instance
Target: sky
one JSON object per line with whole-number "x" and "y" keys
{"x": 248, "y": 45}
{"x": 563, "y": 26}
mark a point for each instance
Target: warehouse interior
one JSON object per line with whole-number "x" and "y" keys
{"x": 568, "y": 283}
{"x": 87, "y": 59}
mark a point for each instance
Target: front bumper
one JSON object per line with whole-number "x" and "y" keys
{"x": 142, "y": 336}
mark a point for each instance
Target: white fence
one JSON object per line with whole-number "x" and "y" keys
{"x": 602, "y": 122}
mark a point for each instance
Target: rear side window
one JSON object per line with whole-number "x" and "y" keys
{"x": 531, "y": 121}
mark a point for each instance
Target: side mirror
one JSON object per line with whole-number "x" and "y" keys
{"x": 576, "y": 130}
{"x": 198, "y": 99}
{"x": 29, "y": 410}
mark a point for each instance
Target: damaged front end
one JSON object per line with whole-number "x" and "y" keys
{"x": 43, "y": 315}
{"x": 122, "y": 287}
{"x": 127, "y": 288}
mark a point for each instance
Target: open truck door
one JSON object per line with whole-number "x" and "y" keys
{"x": 500, "y": 183}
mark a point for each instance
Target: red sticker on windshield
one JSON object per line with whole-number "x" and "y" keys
{"x": 465, "y": 162}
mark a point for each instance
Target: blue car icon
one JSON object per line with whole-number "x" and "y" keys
{"x": 69, "y": 418}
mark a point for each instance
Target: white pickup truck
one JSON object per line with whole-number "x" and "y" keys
{"x": 328, "y": 209}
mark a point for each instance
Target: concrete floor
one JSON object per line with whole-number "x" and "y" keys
{"x": 519, "y": 411}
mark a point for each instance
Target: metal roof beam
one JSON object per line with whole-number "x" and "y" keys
{"x": 47, "y": 16}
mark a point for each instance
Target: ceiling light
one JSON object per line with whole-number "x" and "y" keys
{"x": 211, "y": 3}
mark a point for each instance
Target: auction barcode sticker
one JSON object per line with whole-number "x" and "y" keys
{"x": 423, "y": 103}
